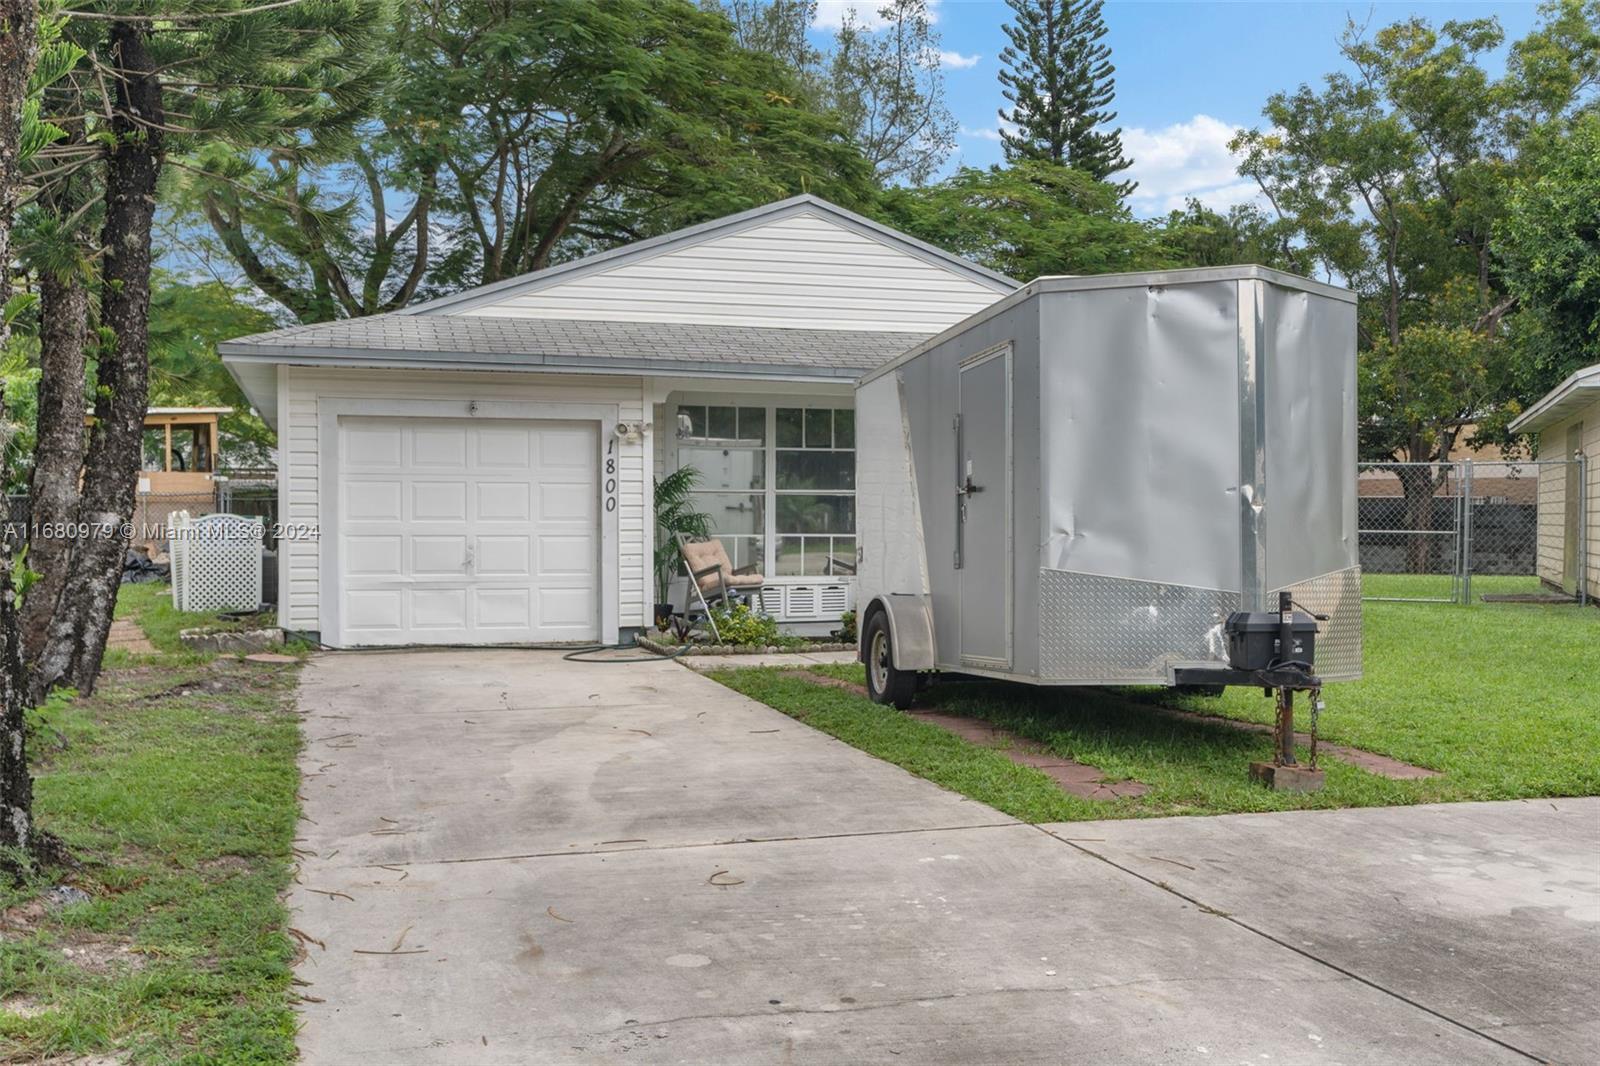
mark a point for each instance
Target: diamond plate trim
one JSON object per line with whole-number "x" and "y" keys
{"x": 1110, "y": 630}
{"x": 1337, "y": 595}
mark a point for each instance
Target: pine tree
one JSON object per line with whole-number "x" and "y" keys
{"x": 1057, "y": 74}
{"x": 289, "y": 79}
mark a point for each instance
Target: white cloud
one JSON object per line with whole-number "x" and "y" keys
{"x": 981, "y": 134}
{"x": 830, "y": 13}
{"x": 957, "y": 61}
{"x": 1183, "y": 160}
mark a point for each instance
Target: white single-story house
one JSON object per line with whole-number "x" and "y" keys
{"x": 1566, "y": 422}
{"x": 477, "y": 469}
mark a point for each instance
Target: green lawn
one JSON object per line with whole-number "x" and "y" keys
{"x": 1504, "y": 699}
{"x": 175, "y": 788}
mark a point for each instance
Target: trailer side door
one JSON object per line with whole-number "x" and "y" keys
{"x": 983, "y": 508}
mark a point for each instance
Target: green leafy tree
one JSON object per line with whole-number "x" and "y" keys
{"x": 1028, "y": 220}
{"x": 1198, "y": 236}
{"x": 886, "y": 86}
{"x": 516, "y": 136}
{"x": 325, "y": 241}
{"x": 1392, "y": 179}
{"x": 1058, "y": 77}
{"x": 1548, "y": 244}
{"x": 155, "y": 82}
{"x": 32, "y": 56}
{"x": 880, "y": 76}
{"x": 187, "y": 321}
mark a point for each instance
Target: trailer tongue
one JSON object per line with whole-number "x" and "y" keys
{"x": 1112, "y": 481}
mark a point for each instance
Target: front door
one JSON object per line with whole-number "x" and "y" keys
{"x": 983, "y": 509}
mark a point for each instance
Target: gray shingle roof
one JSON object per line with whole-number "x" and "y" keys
{"x": 481, "y": 342}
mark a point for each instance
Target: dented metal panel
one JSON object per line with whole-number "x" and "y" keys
{"x": 1182, "y": 444}
{"x": 1139, "y": 434}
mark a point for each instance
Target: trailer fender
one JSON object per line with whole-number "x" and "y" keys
{"x": 910, "y": 629}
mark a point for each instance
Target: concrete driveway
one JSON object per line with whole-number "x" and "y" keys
{"x": 519, "y": 859}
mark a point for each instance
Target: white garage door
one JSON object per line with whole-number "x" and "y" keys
{"x": 467, "y": 531}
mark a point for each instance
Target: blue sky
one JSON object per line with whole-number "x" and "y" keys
{"x": 1188, "y": 74}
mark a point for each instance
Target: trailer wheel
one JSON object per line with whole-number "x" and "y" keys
{"x": 885, "y": 684}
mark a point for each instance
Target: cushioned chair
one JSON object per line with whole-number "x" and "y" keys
{"x": 712, "y": 576}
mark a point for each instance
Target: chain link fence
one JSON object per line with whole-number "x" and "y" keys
{"x": 1453, "y": 532}
{"x": 153, "y": 511}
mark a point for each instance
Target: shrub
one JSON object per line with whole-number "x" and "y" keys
{"x": 740, "y": 625}
{"x": 847, "y": 628}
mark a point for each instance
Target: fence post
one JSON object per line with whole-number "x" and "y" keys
{"x": 1466, "y": 532}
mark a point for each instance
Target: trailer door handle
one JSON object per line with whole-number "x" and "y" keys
{"x": 968, "y": 489}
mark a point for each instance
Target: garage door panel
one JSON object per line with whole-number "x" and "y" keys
{"x": 569, "y": 447}
{"x": 417, "y": 494}
{"x": 567, "y": 501}
{"x": 373, "y": 609}
{"x": 566, "y": 608}
{"x": 439, "y": 447}
{"x": 497, "y": 448}
{"x": 435, "y": 555}
{"x": 438, "y": 501}
{"x": 504, "y": 556}
{"x": 370, "y": 499}
{"x": 566, "y": 555}
{"x": 439, "y": 609}
{"x": 375, "y": 555}
{"x": 371, "y": 445}
{"x": 505, "y": 609}
{"x": 504, "y": 501}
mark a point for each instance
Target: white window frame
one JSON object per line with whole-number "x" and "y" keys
{"x": 769, "y": 490}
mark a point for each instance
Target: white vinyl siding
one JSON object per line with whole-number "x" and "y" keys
{"x": 1552, "y": 499}
{"x": 804, "y": 271}
{"x": 302, "y": 392}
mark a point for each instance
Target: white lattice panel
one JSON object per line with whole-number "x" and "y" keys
{"x": 216, "y": 562}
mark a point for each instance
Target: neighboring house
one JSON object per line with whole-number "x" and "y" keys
{"x": 478, "y": 469}
{"x": 1497, "y": 479}
{"x": 178, "y": 468}
{"x": 1567, "y": 424}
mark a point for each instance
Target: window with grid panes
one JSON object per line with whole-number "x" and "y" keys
{"x": 728, "y": 445}
{"x": 814, "y": 492}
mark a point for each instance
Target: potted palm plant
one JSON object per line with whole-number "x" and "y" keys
{"x": 675, "y": 514}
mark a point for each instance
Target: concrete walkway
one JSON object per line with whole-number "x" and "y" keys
{"x": 520, "y": 859}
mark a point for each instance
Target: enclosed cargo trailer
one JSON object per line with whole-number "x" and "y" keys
{"x": 1110, "y": 480}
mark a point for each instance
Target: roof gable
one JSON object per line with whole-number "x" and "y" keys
{"x": 799, "y": 263}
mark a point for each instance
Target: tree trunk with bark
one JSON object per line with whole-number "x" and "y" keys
{"x": 1419, "y": 486}
{"x": 58, "y": 453}
{"x": 19, "y": 41}
{"x": 77, "y": 637}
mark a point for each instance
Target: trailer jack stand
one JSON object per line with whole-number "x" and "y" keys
{"x": 1284, "y": 773}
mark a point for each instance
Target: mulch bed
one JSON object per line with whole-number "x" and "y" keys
{"x": 656, "y": 646}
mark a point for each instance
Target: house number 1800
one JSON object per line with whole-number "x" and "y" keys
{"x": 611, "y": 475}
